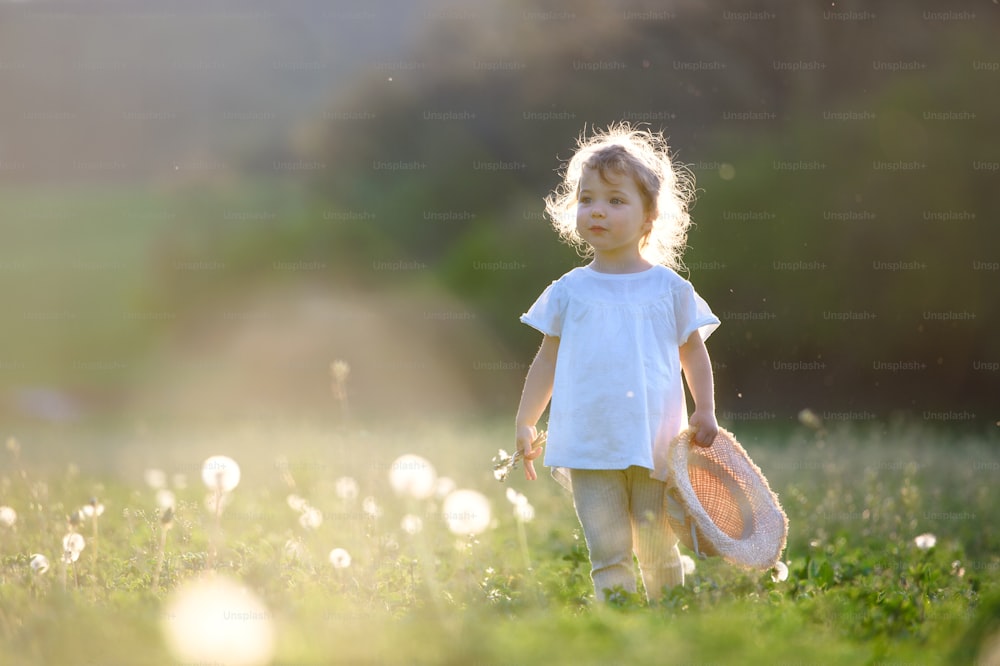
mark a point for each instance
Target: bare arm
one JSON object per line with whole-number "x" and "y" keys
{"x": 534, "y": 398}
{"x": 697, "y": 368}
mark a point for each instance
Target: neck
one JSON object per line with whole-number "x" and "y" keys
{"x": 603, "y": 263}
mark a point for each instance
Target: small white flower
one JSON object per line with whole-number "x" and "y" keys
{"x": 220, "y": 473}
{"x": 155, "y": 478}
{"x": 413, "y": 475}
{"x": 311, "y": 518}
{"x": 39, "y": 563}
{"x": 340, "y": 558}
{"x": 925, "y": 541}
{"x": 347, "y": 488}
{"x": 687, "y": 563}
{"x": 7, "y": 516}
{"x": 780, "y": 572}
{"x": 165, "y": 499}
{"x": 412, "y": 524}
{"x": 371, "y": 507}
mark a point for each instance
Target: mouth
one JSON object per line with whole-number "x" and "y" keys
{"x": 596, "y": 228}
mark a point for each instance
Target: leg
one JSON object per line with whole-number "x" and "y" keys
{"x": 655, "y": 542}
{"x": 601, "y": 500}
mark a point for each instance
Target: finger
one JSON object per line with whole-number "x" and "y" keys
{"x": 529, "y": 470}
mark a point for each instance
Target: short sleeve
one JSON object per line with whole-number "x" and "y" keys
{"x": 691, "y": 313}
{"x": 547, "y": 313}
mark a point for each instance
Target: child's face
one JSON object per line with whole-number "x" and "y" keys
{"x": 610, "y": 214}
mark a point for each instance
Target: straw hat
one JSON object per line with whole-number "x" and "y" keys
{"x": 719, "y": 503}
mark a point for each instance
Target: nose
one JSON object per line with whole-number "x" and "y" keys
{"x": 597, "y": 211}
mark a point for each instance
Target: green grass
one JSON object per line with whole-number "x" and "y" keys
{"x": 859, "y": 590}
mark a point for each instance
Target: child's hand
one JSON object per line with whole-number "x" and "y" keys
{"x": 526, "y": 435}
{"x": 705, "y": 427}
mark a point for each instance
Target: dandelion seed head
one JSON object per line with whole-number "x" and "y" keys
{"x": 524, "y": 512}
{"x": 8, "y": 516}
{"x": 155, "y": 478}
{"x": 311, "y": 518}
{"x": 346, "y": 488}
{"x": 39, "y": 563}
{"x": 412, "y": 524}
{"x": 92, "y": 510}
{"x": 214, "y": 619}
{"x": 779, "y": 573}
{"x": 925, "y": 541}
{"x": 165, "y": 499}
{"x": 220, "y": 473}
{"x": 340, "y": 558}
{"x": 467, "y": 512}
{"x": 74, "y": 542}
{"x": 412, "y": 475}
{"x": 688, "y": 564}
{"x": 297, "y": 502}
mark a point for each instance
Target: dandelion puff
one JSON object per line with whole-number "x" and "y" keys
{"x": 370, "y": 506}
{"x": 220, "y": 474}
{"x": 7, "y": 516}
{"x": 524, "y": 512}
{"x": 297, "y": 502}
{"x": 39, "y": 563}
{"x": 346, "y": 488}
{"x": 925, "y": 541}
{"x": 779, "y": 573}
{"x": 214, "y": 619}
{"x": 467, "y": 512}
{"x": 155, "y": 478}
{"x": 412, "y": 475}
{"x": 412, "y": 524}
{"x": 92, "y": 510}
{"x": 165, "y": 499}
{"x": 515, "y": 497}
{"x": 340, "y": 558}
{"x": 311, "y": 518}
{"x": 74, "y": 542}
{"x": 687, "y": 563}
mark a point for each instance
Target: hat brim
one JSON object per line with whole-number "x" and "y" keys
{"x": 719, "y": 502}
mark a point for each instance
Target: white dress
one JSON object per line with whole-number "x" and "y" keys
{"x": 617, "y": 396}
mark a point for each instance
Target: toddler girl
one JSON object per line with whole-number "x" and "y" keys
{"x": 617, "y": 334}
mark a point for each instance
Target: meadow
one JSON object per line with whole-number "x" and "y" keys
{"x": 330, "y": 547}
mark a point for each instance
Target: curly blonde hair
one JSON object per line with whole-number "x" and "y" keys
{"x": 666, "y": 189}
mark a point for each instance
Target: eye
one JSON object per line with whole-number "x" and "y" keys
{"x": 616, "y": 200}
{"x": 585, "y": 200}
